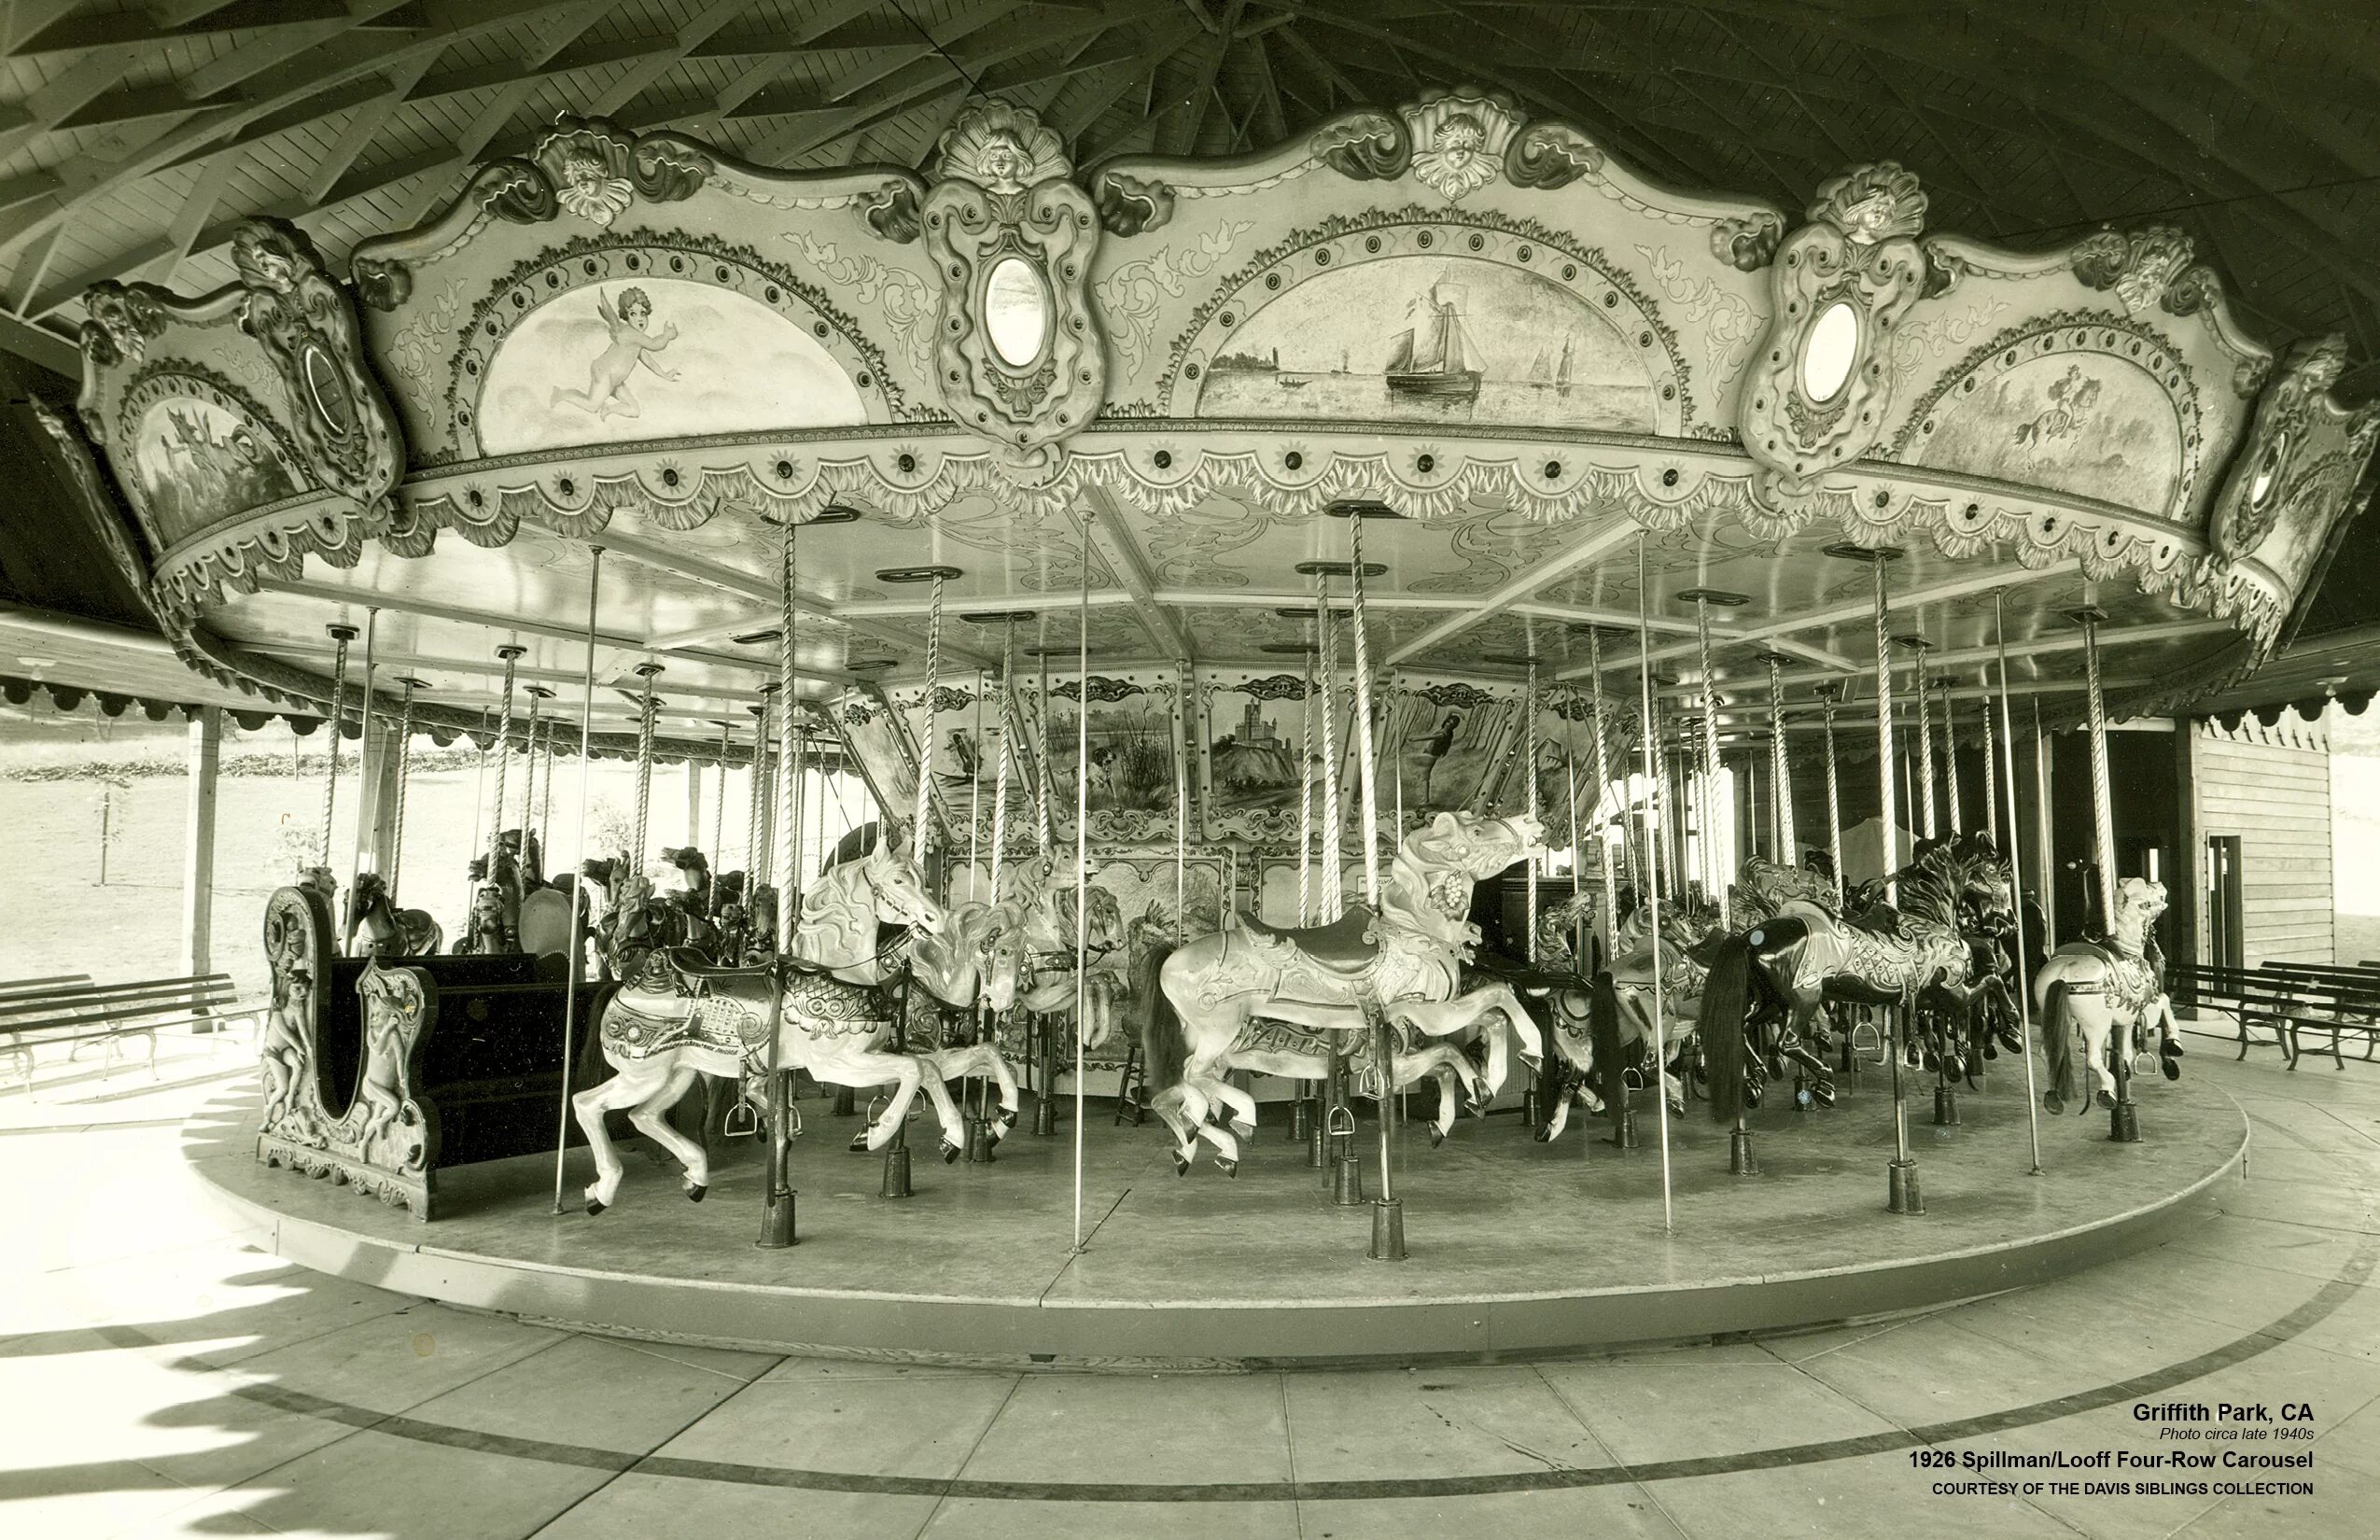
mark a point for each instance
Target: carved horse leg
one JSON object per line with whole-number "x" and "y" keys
{"x": 634, "y": 1085}
{"x": 981, "y": 1058}
{"x": 651, "y": 1119}
{"x": 1446, "y": 1018}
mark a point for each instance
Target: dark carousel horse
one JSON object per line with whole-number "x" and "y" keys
{"x": 388, "y": 931}
{"x": 1768, "y": 984}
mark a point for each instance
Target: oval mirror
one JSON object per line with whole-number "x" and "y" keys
{"x": 1826, "y": 356}
{"x": 330, "y": 392}
{"x": 2268, "y": 471}
{"x": 1016, "y": 311}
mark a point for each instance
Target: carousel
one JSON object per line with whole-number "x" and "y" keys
{"x": 1427, "y": 700}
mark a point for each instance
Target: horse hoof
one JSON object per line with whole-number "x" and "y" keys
{"x": 695, "y": 1191}
{"x": 1437, "y": 1136}
{"x": 1543, "y": 1136}
{"x": 2053, "y": 1102}
{"x": 595, "y": 1206}
{"x": 1244, "y": 1129}
{"x": 2106, "y": 1102}
{"x": 2173, "y": 1071}
{"x": 1228, "y": 1167}
{"x": 859, "y": 1144}
{"x": 950, "y": 1153}
{"x": 1822, "y": 1095}
{"x": 1180, "y": 1165}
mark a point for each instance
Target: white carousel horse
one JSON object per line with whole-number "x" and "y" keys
{"x": 1044, "y": 901}
{"x": 675, "y": 1020}
{"x": 1405, "y": 961}
{"x": 2110, "y": 986}
{"x": 388, "y": 931}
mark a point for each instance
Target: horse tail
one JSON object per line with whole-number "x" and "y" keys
{"x": 2057, "y": 1045}
{"x": 1727, "y": 998}
{"x": 1163, "y": 1045}
{"x": 1602, "y": 1039}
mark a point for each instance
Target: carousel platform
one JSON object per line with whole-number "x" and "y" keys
{"x": 1516, "y": 1249}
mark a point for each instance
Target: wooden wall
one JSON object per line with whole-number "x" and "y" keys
{"x": 2272, "y": 788}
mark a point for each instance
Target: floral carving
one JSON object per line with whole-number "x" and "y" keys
{"x": 2147, "y": 268}
{"x": 383, "y": 283}
{"x": 1748, "y": 244}
{"x": 1871, "y": 204}
{"x": 1128, "y": 206}
{"x": 596, "y": 170}
{"x": 1546, "y": 155}
{"x": 1364, "y": 146}
{"x": 122, "y": 322}
{"x": 2302, "y": 454}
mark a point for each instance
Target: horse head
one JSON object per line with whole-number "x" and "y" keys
{"x": 899, "y": 887}
{"x": 999, "y": 943}
{"x": 2138, "y": 902}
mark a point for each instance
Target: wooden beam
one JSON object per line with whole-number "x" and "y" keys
{"x": 1112, "y": 535}
{"x": 1588, "y": 549}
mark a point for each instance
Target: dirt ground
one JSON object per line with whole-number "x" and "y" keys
{"x": 56, "y": 916}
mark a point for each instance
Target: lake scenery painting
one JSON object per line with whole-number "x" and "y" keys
{"x": 1431, "y": 339}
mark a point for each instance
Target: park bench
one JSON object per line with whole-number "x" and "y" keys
{"x": 75, "y": 1011}
{"x": 2266, "y": 997}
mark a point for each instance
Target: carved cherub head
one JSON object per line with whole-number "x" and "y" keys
{"x": 1002, "y": 149}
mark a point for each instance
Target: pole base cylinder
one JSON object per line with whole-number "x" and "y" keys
{"x": 896, "y": 1173}
{"x": 1945, "y": 1107}
{"x": 1623, "y": 1128}
{"x": 1387, "y": 1230}
{"x": 1301, "y": 1121}
{"x": 1347, "y": 1182}
{"x": 979, "y": 1142}
{"x": 1740, "y": 1159}
{"x": 1901, "y": 1196}
{"x": 1318, "y": 1154}
{"x": 1531, "y": 1115}
{"x": 1045, "y": 1115}
{"x": 777, "y": 1223}
{"x": 843, "y": 1105}
{"x": 2124, "y": 1123}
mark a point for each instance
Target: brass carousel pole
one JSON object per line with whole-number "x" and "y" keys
{"x": 1741, "y": 1161}
{"x": 538, "y": 694}
{"x": 1651, "y": 895}
{"x": 2123, "y": 1118}
{"x": 1918, "y": 647}
{"x": 578, "y": 900}
{"x": 1950, "y": 811}
{"x": 1305, "y": 800}
{"x": 718, "y": 805}
{"x": 1902, "y": 1195}
{"x": 755, "y": 858}
{"x": 639, "y": 856}
{"x": 1338, "y": 1115}
{"x": 780, "y": 1199}
{"x": 1788, "y": 851}
{"x": 1826, "y": 696}
{"x": 1388, "y": 1213}
{"x": 2016, "y": 877}
{"x": 1082, "y": 859}
{"x": 1991, "y": 767}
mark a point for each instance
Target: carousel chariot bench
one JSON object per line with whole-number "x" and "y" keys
{"x": 384, "y": 1074}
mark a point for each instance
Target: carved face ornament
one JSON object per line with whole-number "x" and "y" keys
{"x": 590, "y": 191}
{"x": 1457, "y": 161}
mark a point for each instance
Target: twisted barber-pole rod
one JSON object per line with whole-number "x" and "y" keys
{"x": 1388, "y": 1214}
{"x": 644, "y": 767}
{"x": 341, "y": 636}
{"x": 1305, "y": 799}
{"x": 999, "y": 775}
{"x": 1603, "y": 785}
{"x": 755, "y": 855}
{"x": 511, "y": 652}
{"x": 918, "y": 823}
{"x": 1529, "y": 773}
{"x": 1827, "y": 693}
{"x": 1950, "y": 761}
{"x": 1714, "y": 880}
{"x": 1334, "y": 832}
{"x": 1780, "y": 769}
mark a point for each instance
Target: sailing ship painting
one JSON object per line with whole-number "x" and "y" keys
{"x": 1465, "y": 340}
{"x": 1429, "y": 358}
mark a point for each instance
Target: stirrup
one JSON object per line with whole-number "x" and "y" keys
{"x": 742, "y": 1121}
{"x": 1331, "y": 1123}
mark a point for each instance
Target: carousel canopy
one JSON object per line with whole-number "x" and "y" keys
{"x": 1104, "y": 310}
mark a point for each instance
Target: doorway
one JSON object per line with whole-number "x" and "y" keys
{"x": 2226, "y": 947}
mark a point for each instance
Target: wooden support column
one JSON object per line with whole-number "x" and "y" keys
{"x": 198, "y": 847}
{"x": 376, "y": 794}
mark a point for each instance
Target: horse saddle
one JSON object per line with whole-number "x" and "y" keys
{"x": 1346, "y": 946}
{"x": 1880, "y": 919}
{"x": 689, "y": 963}
{"x": 1525, "y": 977}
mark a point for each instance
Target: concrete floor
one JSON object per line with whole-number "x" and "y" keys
{"x": 159, "y": 1379}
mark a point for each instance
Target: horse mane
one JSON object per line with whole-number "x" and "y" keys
{"x": 838, "y": 921}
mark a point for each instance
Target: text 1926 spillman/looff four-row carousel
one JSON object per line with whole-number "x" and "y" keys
{"x": 1381, "y": 626}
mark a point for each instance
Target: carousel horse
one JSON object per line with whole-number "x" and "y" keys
{"x": 2113, "y": 986}
{"x": 1044, "y": 902}
{"x": 1778, "y": 973}
{"x": 1403, "y": 960}
{"x": 677, "y": 1018}
{"x": 1590, "y": 1042}
{"x": 390, "y": 931}
{"x": 1764, "y": 889}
